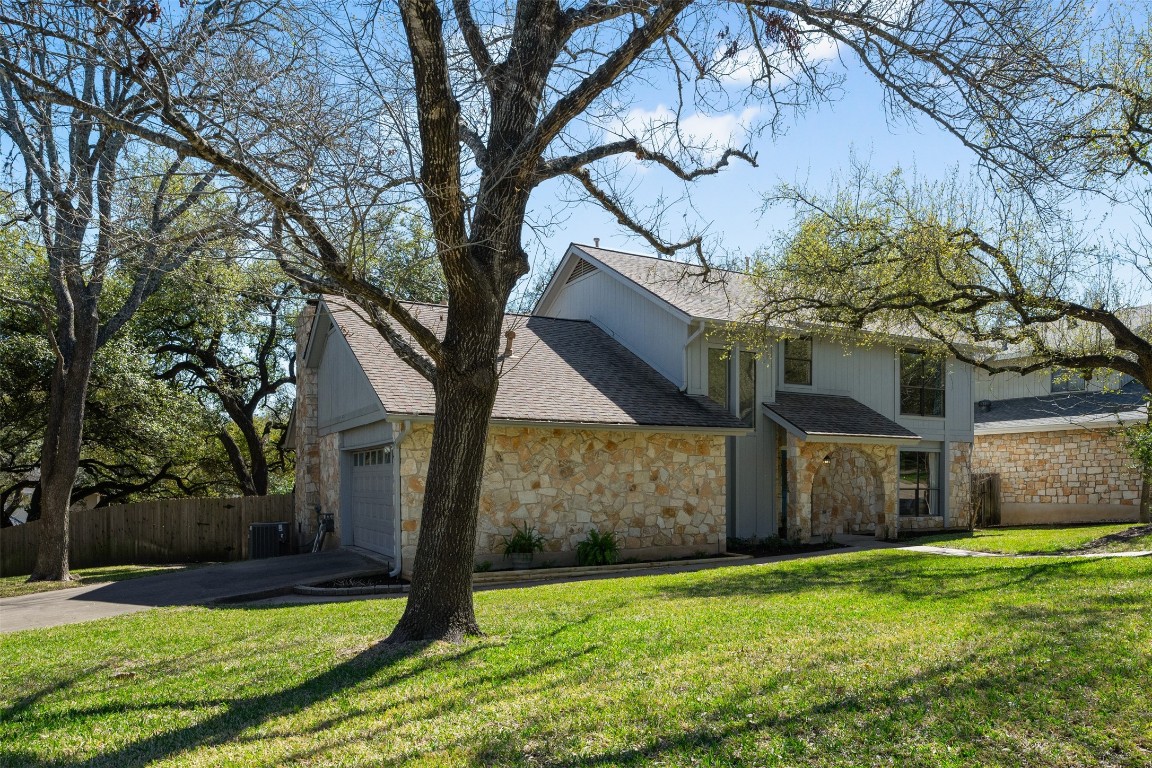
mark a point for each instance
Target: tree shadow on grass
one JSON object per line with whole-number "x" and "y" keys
{"x": 905, "y": 574}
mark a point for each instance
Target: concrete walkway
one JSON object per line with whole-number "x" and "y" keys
{"x": 226, "y": 582}
{"x": 954, "y": 552}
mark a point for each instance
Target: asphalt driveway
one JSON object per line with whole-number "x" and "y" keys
{"x": 248, "y": 579}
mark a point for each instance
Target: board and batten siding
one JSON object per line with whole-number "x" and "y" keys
{"x": 648, "y": 330}
{"x": 1010, "y": 385}
{"x": 345, "y": 397}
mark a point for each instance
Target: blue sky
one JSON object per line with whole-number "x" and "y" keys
{"x": 812, "y": 150}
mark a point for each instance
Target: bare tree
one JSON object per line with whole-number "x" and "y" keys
{"x": 71, "y": 166}
{"x": 467, "y": 108}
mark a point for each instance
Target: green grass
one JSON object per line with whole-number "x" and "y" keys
{"x": 13, "y": 586}
{"x": 876, "y": 658}
{"x": 1038, "y": 539}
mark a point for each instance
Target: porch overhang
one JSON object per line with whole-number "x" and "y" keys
{"x": 834, "y": 419}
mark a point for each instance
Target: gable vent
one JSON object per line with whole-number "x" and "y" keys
{"x": 582, "y": 268}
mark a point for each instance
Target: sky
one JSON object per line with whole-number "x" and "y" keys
{"x": 813, "y": 149}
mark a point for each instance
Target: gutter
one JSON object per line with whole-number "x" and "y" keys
{"x": 397, "y": 525}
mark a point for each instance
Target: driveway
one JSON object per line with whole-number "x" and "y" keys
{"x": 199, "y": 586}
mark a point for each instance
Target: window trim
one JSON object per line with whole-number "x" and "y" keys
{"x": 751, "y": 419}
{"x": 727, "y": 404}
{"x": 932, "y": 494}
{"x": 901, "y": 387}
{"x": 784, "y": 359}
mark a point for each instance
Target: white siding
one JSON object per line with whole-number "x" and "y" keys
{"x": 648, "y": 330}
{"x": 345, "y": 398}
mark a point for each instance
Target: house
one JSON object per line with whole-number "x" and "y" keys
{"x": 623, "y": 407}
{"x": 1056, "y": 442}
{"x": 584, "y": 434}
{"x": 861, "y": 439}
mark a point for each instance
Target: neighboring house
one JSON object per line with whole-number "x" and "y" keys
{"x": 1056, "y": 442}
{"x": 864, "y": 439}
{"x": 584, "y": 435}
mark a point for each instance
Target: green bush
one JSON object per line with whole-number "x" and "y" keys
{"x": 598, "y": 549}
{"x": 526, "y": 540}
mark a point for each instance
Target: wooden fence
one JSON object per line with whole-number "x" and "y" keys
{"x": 164, "y": 531}
{"x": 986, "y": 499}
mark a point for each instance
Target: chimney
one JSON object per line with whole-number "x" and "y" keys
{"x": 596, "y": 241}
{"x": 510, "y": 335}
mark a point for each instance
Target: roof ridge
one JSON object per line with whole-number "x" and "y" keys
{"x": 657, "y": 258}
{"x": 432, "y": 305}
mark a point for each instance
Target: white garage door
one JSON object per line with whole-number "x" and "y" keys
{"x": 372, "y": 524}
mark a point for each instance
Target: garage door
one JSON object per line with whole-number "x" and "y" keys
{"x": 372, "y": 524}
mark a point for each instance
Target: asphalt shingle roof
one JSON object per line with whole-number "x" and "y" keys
{"x": 563, "y": 371}
{"x": 832, "y": 416}
{"x": 1063, "y": 409}
{"x": 722, "y": 295}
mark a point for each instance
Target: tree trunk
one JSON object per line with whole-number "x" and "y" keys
{"x": 60, "y": 456}
{"x": 440, "y": 602}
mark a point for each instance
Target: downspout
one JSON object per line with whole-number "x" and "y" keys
{"x": 684, "y": 355}
{"x": 398, "y": 530}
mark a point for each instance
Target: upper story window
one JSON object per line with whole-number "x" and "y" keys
{"x": 1067, "y": 381}
{"x": 921, "y": 384}
{"x": 747, "y": 372}
{"x": 798, "y": 360}
{"x": 718, "y": 375}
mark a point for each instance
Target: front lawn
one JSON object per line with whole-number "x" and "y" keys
{"x": 1042, "y": 539}
{"x": 876, "y": 658}
{"x": 13, "y": 586}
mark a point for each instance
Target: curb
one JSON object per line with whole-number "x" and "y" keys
{"x": 546, "y": 574}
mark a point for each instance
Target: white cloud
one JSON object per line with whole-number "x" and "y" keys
{"x": 706, "y": 134}
{"x": 746, "y": 64}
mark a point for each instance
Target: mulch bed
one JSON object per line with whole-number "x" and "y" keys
{"x": 367, "y": 580}
{"x": 772, "y": 547}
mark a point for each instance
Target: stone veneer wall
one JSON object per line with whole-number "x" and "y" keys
{"x": 959, "y": 485}
{"x": 1074, "y": 466}
{"x": 317, "y": 458}
{"x": 808, "y": 499}
{"x": 663, "y": 493}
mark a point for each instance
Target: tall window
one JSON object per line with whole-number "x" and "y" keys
{"x": 798, "y": 360}
{"x": 747, "y": 370}
{"x": 1068, "y": 381}
{"x": 919, "y": 483}
{"x": 718, "y": 375}
{"x": 921, "y": 384}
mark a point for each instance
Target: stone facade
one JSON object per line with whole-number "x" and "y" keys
{"x": 855, "y": 492}
{"x": 661, "y": 493}
{"x": 959, "y": 485}
{"x": 306, "y": 437}
{"x": 1084, "y": 467}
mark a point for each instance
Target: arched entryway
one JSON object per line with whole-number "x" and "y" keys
{"x": 847, "y": 494}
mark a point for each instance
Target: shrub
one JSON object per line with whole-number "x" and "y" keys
{"x": 598, "y": 548}
{"x": 526, "y": 541}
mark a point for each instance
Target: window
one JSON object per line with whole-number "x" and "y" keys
{"x": 747, "y": 371}
{"x": 921, "y": 384}
{"x": 718, "y": 375}
{"x": 1068, "y": 381}
{"x": 798, "y": 360}
{"x": 919, "y": 483}
{"x": 373, "y": 457}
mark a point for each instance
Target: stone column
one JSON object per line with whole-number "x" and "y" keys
{"x": 306, "y": 436}
{"x": 888, "y": 460}
{"x": 800, "y": 475}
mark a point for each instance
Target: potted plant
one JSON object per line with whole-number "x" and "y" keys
{"x": 522, "y": 545}
{"x": 598, "y": 548}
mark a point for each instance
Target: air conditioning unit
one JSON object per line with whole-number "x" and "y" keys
{"x": 268, "y": 540}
